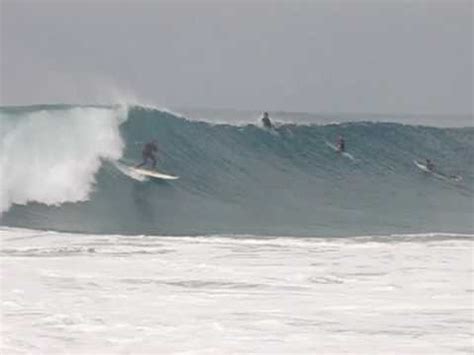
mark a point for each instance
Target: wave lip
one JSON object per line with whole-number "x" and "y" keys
{"x": 52, "y": 156}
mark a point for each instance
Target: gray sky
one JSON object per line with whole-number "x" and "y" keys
{"x": 385, "y": 56}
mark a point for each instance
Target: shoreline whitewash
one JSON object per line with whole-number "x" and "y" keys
{"x": 82, "y": 294}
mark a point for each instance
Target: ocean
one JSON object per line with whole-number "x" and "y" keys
{"x": 269, "y": 242}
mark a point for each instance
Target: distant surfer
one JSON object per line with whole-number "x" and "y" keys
{"x": 341, "y": 144}
{"x": 429, "y": 165}
{"x": 148, "y": 153}
{"x": 266, "y": 121}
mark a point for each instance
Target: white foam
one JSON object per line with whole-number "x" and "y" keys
{"x": 79, "y": 293}
{"x": 52, "y": 156}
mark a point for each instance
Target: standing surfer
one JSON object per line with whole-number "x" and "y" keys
{"x": 341, "y": 144}
{"x": 266, "y": 121}
{"x": 148, "y": 153}
{"x": 429, "y": 165}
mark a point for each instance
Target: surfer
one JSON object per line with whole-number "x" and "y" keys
{"x": 341, "y": 144}
{"x": 148, "y": 153}
{"x": 266, "y": 121}
{"x": 429, "y": 165}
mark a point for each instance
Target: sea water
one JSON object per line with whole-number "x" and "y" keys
{"x": 270, "y": 241}
{"x": 58, "y": 167}
{"x": 113, "y": 294}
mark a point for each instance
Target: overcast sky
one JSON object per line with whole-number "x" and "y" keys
{"x": 352, "y": 56}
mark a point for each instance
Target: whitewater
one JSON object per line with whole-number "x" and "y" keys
{"x": 270, "y": 242}
{"x": 114, "y": 294}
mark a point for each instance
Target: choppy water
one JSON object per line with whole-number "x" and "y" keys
{"x": 257, "y": 248}
{"x": 74, "y": 293}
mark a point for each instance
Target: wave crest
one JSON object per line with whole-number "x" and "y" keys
{"x": 52, "y": 156}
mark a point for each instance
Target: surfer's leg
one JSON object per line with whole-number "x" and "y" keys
{"x": 144, "y": 160}
{"x": 153, "y": 159}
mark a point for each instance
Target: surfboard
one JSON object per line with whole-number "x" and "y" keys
{"x": 336, "y": 149}
{"x": 126, "y": 170}
{"x": 438, "y": 175}
{"x": 141, "y": 174}
{"x": 154, "y": 174}
{"x": 422, "y": 166}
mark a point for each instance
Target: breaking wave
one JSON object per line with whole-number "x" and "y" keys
{"x": 60, "y": 169}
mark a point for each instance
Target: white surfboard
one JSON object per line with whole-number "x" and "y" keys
{"x": 153, "y": 173}
{"x": 125, "y": 169}
{"x": 424, "y": 168}
{"x": 421, "y": 166}
{"x": 336, "y": 149}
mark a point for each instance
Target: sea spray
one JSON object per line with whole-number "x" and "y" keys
{"x": 52, "y": 156}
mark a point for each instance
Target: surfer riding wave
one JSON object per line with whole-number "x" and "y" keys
{"x": 148, "y": 153}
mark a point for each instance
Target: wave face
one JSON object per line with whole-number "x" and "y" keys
{"x": 58, "y": 172}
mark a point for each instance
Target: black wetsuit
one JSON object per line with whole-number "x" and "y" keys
{"x": 341, "y": 145}
{"x": 266, "y": 122}
{"x": 148, "y": 154}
